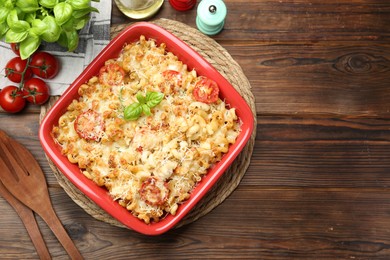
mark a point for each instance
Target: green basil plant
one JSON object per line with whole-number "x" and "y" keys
{"x": 29, "y": 22}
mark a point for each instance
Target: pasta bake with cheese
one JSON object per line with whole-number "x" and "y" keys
{"x": 147, "y": 129}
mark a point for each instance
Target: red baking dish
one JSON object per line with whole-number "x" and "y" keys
{"x": 100, "y": 195}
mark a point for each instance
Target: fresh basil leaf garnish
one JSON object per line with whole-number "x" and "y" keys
{"x": 154, "y": 98}
{"x": 144, "y": 105}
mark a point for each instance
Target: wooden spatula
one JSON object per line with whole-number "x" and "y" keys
{"x": 23, "y": 177}
{"x": 28, "y": 219}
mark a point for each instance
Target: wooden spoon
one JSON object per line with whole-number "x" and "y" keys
{"x": 23, "y": 177}
{"x": 29, "y": 221}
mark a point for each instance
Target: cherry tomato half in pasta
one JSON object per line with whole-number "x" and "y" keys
{"x": 172, "y": 81}
{"x": 173, "y": 77}
{"x": 206, "y": 90}
{"x": 89, "y": 125}
{"x": 111, "y": 74}
{"x": 154, "y": 192}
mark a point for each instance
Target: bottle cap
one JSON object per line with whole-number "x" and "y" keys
{"x": 139, "y": 9}
{"x": 182, "y": 5}
{"x": 211, "y": 16}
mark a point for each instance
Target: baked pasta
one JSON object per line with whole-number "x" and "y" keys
{"x": 147, "y": 129}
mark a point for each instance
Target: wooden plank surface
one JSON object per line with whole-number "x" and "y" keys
{"x": 318, "y": 183}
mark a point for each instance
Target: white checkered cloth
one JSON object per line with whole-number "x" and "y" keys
{"x": 93, "y": 38}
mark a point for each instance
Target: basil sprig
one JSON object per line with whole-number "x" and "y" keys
{"x": 144, "y": 105}
{"x": 29, "y": 22}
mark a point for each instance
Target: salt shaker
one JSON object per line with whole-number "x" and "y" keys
{"x": 182, "y": 5}
{"x": 211, "y": 16}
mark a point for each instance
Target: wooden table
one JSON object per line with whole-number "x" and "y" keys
{"x": 318, "y": 183}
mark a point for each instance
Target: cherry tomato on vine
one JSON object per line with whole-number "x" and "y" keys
{"x": 206, "y": 90}
{"x": 89, "y": 125}
{"x": 111, "y": 74}
{"x": 36, "y": 91}
{"x": 15, "y": 68}
{"x": 11, "y": 99}
{"x": 44, "y": 65}
{"x": 15, "y": 48}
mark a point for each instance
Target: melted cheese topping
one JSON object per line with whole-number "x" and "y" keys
{"x": 176, "y": 145}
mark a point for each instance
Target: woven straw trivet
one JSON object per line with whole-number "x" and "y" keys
{"x": 224, "y": 63}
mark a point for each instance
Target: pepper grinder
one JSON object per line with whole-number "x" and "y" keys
{"x": 182, "y": 5}
{"x": 211, "y": 16}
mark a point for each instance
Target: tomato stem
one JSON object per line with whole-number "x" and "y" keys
{"x": 21, "y": 84}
